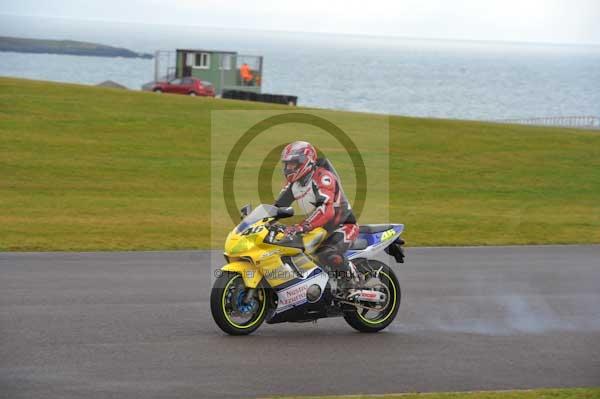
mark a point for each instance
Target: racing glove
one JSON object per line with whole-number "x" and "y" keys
{"x": 294, "y": 229}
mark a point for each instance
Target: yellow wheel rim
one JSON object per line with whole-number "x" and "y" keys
{"x": 223, "y": 301}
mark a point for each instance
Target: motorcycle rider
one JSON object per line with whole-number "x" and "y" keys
{"x": 319, "y": 194}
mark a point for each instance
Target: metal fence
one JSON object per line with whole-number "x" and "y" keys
{"x": 164, "y": 65}
{"x": 255, "y": 65}
{"x": 586, "y": 122}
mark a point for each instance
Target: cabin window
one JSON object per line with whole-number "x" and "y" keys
{"x": 189, "y": 59}
{"x": 225, "y": 62}
{"x": 202, "y": 60}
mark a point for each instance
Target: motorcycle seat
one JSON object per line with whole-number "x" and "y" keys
{"x": 373, "y": 228}
{"x": 359, "y": 244}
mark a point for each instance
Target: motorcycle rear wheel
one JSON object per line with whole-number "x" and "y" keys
{"x": 226, "y": 303}
{"x": 358, "y": 318}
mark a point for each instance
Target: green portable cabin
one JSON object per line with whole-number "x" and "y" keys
{"x": 220, "y": 68}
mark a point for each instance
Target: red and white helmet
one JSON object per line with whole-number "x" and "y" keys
{"x": 299, "y": 159}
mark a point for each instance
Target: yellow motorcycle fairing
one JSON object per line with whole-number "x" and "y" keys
{"x": 255, "y": 259}
{"x": 250, "y": 274}
{"x": 313, "y": 239}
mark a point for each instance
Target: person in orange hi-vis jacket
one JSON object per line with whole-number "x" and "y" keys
{"x": 245, "y": 74}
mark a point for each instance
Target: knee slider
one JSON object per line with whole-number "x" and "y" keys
{"x": 335, "y": 259}
{"x": 331, "y": 258}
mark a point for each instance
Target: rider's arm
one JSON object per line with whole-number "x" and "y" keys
{"x": 286, "y": 197}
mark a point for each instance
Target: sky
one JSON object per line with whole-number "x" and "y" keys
{"x": 542, "y": 21}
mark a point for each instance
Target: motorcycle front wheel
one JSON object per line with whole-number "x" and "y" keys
{"x": 236, "y": 309}
{"x": 381, "y": 277}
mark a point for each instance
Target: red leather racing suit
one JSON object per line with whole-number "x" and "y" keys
{"x": 320, "y": 196}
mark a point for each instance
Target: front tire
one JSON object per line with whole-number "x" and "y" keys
{"x": 230, "y": 311}
{"x": 192, "y": 93}
{"x": 361, "y": 320}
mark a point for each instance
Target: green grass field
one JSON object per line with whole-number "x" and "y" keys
{"x": 86, "y": 168}
{"x": 567, "y": 393}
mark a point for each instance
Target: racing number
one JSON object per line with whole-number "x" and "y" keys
{"x": 253, "y": 230}
{"x": 386, "y": 235}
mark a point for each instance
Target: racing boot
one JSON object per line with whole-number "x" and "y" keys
{"x": 349, "y": 281}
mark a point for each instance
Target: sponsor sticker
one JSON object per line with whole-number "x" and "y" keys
{"x": 293, "y": 295}
{"x": 296, "y": 294}
{"x": 388, "y": 234}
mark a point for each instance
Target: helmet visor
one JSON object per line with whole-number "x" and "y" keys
{"x": 290, "y": 167}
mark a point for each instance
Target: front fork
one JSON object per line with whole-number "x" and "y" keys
{"x": 249, "y": 295}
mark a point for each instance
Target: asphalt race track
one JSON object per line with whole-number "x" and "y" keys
{"x": 137, "y": 325}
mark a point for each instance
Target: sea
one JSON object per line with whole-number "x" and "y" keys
{"x": 388, "y": 75}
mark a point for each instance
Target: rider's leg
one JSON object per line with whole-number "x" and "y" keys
{"x": 332, "y": 253}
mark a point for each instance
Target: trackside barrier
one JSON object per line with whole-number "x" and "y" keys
{"x": 587, "y": 122}
{"x": 261, "y": 97}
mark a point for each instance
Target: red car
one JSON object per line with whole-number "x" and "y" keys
{"x": 189, "y": 86}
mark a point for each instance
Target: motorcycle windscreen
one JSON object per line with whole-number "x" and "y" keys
{"x": 262, "y": 211}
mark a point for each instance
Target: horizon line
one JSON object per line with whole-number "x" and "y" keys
{"x": 351, "y": 34}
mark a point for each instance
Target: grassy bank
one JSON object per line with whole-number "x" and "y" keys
{"x": 567, "y": 393}
{"x": 86, "y": 168}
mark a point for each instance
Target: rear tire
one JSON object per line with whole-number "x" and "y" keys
{"x": 158, "y": 91}
{"x": 355, "y": 317}
{"x": 192, "y": 93}
{"x": 223, "y": 301}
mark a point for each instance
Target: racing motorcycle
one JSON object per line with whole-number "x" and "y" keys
{"x": 274, "y": 277}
